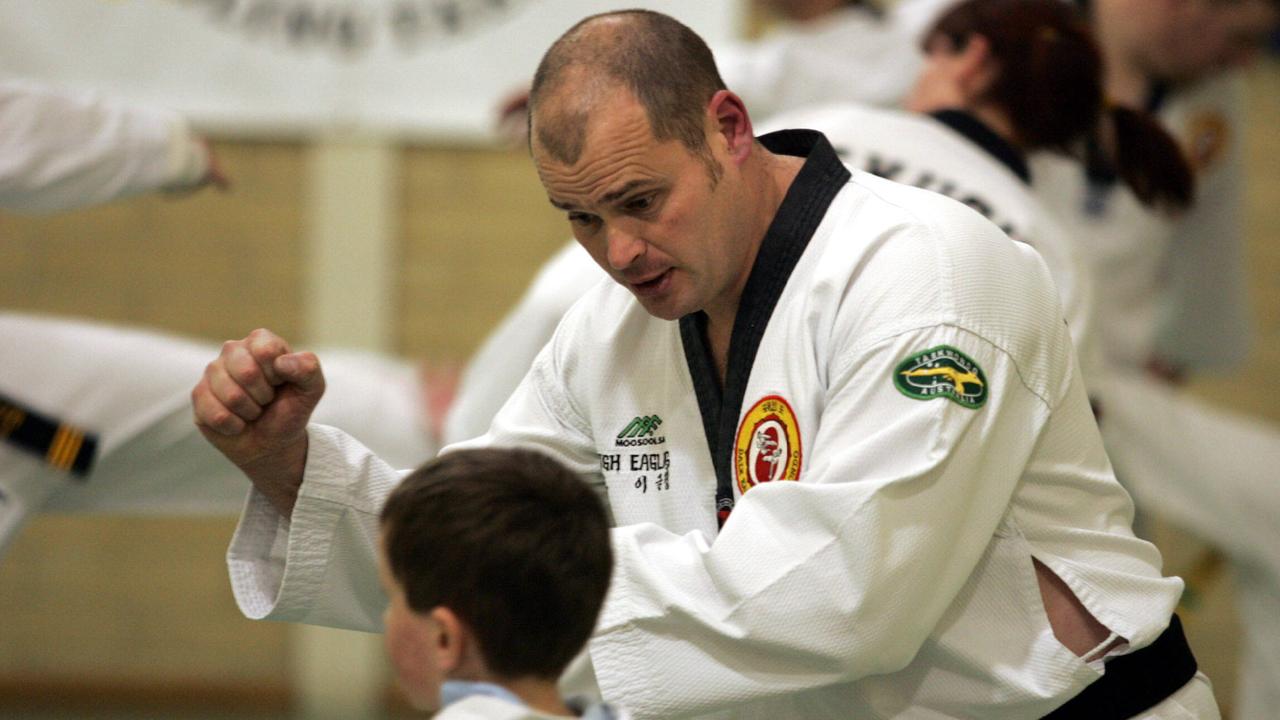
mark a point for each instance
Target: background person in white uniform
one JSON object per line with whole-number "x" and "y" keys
{"x": 649, "y": 210}
{"x": 63, "y": 150}
{"x": 122, "y": 396}
{"x": 97, "y": 418}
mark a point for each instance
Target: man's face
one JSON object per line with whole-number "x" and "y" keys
{"x": 650, "y": 213}
{"x": 1196, "y": 38}
{"x": 408, "y": 639}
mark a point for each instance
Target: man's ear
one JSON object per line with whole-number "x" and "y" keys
{"x": 728, "y": 115}
{"x": 976, "y": 69}
{"x": 448, "y": 641}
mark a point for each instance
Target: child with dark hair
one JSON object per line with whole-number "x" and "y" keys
{"x": 496, "y": 562}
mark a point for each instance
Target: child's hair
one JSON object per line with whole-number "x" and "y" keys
{"x": 511, "y": 541}
{"x": 1050, "y": 82}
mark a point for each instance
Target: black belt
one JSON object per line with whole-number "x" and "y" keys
{"x": 1135, "y": 682}
{"x": 63, "y": 446}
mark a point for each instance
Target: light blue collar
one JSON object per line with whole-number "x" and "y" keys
{"x": 454, "y": 690}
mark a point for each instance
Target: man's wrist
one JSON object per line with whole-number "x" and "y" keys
{"x": 278, "y": 476}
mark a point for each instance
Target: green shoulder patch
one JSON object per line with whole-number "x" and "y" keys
{"x": 942, "y": 371}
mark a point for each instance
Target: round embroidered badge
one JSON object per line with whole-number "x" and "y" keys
{"x": 767, "y": 447}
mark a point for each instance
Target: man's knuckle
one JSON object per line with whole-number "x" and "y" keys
{"x": 245, "y": 374}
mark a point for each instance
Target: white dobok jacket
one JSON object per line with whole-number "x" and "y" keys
{"x": 953, "y": 153}
{"x": 902, "y": 428}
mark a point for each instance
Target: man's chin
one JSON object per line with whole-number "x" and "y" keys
{"x": 664, "y": 307}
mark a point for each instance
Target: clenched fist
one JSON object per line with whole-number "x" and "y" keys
{"x": 253, "y": 403}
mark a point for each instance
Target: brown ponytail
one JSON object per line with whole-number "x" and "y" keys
{"x": 1150, "y": 161}
{"x": 1050, "y": 85}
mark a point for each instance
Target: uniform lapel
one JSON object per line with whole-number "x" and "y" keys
{"x": 802, "y": 210}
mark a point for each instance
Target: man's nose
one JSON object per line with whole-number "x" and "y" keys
{"x": 623, "y": 247}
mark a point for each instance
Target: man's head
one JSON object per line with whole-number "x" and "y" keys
{"x": 496, "y": 563}
{"x": 1186, "y": 40}
{"x": 636, "y": 138}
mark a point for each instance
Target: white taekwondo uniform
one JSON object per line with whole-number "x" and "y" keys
{"x": 913, "y": 373}
{"x": 1175, "y": 290}
{"x": 96, "y": 418}
{"x": 119, "y": 401}
{"x": 61, "y": 150}
{"x": 955, "y": 154}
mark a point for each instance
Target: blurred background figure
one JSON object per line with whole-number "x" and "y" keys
{"x": 61, "y": 150}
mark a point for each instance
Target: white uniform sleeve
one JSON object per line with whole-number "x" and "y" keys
{"x": 329, "y": 543}
{"x": 60, "y": 151}
{"x": 839, "y": 576}
{"x": 319, "y": 567}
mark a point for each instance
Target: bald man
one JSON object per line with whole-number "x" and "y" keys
{"x": 838, "y": 422}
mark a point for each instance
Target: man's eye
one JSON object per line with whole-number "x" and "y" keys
{"x": 582, "y": 219}
{"x": 639, "y": 204}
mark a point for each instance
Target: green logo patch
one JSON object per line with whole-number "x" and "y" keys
{"x": 643, "y": 425}
{"x": 942, "y": 371}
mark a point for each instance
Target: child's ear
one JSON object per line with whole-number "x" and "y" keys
{"x": 450, "y": 640}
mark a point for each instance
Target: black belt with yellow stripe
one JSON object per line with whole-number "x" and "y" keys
{"x": 62, "y": 445}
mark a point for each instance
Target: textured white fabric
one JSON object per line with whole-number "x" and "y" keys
{"x": 60, "y": 151}
{"x": 895, "y": 579}
{"x": 132, "y": 388}
{"x": 921, "y": 151}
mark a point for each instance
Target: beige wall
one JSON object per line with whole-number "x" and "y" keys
{"x": 119, "y": 601}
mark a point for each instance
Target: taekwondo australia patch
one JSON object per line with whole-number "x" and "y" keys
{"x": 944, "y": 372}
{"x": 767, "y": 447}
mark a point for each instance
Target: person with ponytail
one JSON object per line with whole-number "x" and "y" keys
{"x": 1039, "y": 89}
{"x": 1001, "y": 80}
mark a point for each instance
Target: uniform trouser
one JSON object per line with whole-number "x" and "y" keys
{"x": 132, "y": 389}
{"x": 1217, "y": 475}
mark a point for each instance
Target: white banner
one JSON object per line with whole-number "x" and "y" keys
{"x": 405, "y": 67}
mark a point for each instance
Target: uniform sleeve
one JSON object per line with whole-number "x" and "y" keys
{"x": 320, "y": 566}
{"x": 1205, "y": 320}
{"x": 60, "y": 151}
{"x": 836, "y": 577}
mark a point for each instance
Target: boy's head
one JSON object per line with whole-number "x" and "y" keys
{"x": 496, "y": 563}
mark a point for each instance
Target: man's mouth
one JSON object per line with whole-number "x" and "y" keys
{"x": 653, "y": 284}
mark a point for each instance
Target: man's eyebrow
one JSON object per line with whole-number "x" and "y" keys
{"x": 608, "y": 198}
{"x": 614, "y": 195}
